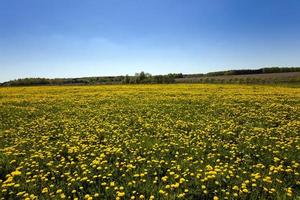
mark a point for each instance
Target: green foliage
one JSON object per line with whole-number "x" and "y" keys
{"x": 146, "y": 78}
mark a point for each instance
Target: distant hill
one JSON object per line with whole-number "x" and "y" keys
{"x": 261, "y": 76}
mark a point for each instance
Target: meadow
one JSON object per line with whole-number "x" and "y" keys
{"x": 179, "y": 141}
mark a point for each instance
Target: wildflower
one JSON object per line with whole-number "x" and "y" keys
{"x": 181, "y": 195}
{"x": 164, "y": 179}
{"x": 16, "y": 173}
{"x": 216, "y": 198}
{"x": 120, "y": 194}
{"x": 161, "y": 192}
{"x": 235, "y": 187}
{"x": 45, "y": 190}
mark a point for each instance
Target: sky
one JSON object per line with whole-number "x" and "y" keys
{"x": 76, "y": 38}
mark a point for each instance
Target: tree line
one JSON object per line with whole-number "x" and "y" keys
{"x": 255, "y": 71}
{"x": 141, "y": 78}
{"x": 138, "y": 78}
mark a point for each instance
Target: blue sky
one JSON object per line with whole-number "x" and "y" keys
{"x": 75, "y": 38}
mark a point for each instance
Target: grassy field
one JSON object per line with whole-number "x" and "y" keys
{"x": 265, "y": 78}
{"x": 150, "y": 142}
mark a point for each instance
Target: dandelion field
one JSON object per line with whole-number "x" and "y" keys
{"x": 177, "y": 141}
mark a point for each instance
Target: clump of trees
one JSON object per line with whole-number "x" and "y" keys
{"x": 143, "y": 77}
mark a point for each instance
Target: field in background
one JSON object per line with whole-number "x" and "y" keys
{"x": 175, "y": 141}
{"x": 267, "y": 78}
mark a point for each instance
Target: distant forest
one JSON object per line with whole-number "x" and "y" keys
{"x": 143, "y": 78}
